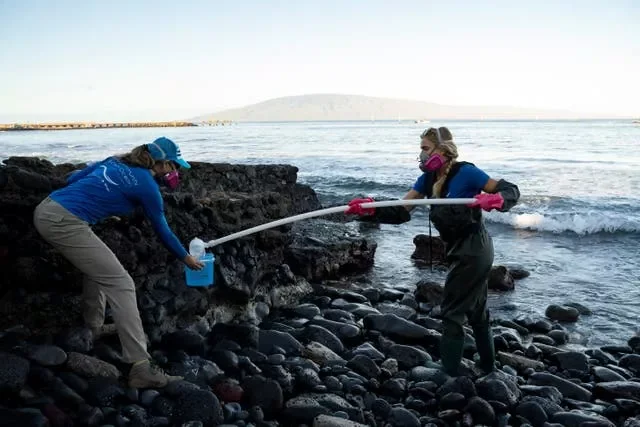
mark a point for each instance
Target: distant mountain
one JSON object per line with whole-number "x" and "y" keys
{"x": 318, "y": 107}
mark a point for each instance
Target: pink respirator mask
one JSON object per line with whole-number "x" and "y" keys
{"x": 171, "y": 180}
{"x": 431, "y": 163}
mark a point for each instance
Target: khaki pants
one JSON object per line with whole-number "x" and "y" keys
{"x": 105, "y": 279}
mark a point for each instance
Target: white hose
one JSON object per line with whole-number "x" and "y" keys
{"x": 197, "y": 246}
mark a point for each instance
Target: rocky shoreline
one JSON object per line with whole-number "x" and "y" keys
{"x": 290, "y": 335}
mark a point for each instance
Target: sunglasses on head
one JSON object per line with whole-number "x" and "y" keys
{"x": 435, "y": 130}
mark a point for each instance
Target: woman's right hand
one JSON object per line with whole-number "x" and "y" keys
{"x": 193, "y": 263}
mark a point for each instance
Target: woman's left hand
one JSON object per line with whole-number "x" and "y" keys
{"x": 193, "y": 263}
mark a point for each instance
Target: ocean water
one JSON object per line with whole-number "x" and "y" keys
{"x": 576, "y": 228}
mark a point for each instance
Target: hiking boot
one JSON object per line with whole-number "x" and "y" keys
{"x": 104, "y": 330}
{"x": 146, "y": 374}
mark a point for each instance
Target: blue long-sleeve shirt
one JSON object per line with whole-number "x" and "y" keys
{"x": 111, "y": 187}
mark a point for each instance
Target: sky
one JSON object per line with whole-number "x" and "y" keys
{"x": 162, "y": 60}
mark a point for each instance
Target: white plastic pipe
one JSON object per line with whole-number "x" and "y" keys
{"x": 336, "y": 209}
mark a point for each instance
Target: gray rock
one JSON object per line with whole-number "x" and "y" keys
{"x": 421, "y": 373}
{"x": 558, "y": 336}
{"x": 548, "y": 406}
{"x": 329, "y": 421}
{"x": 408, "y": 357}
{"x": 547, "y": 392}
{"x": 399, "y": 310}
{"x": 264, "y": 393}
{"x": 532, "y": 412}
{"x": 368, "y": 350}
{"x": 562, "y": 313}
{"x": 603, "y": 374}
{"x": 77, "y": 339}
{"x": 401, "y": 417}
{"x": 630, "y": 362}
{"x": 13, "y": 372}
{"x": 268, "y": 339}
{"x": 577, "y": 419}
{"x": 519, "y": 362}
{"x": 567, "y": 388}
{"x": 402, "y": 329}
{"x": 572, "y": 360}
{"x": 325, "y": 337}
{"x": 91, "y": 367}
{"x": 364, "y": 366}
{"x": 47, "y": 355}
{"x": 198, "y": 405}
{"x": 481, "y": 411}
{"x": 320, "y": 354}
{"x": 344, "y": 331}
{"x": 617, "y": 389}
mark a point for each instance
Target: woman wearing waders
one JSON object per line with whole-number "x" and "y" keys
{"x": 115, "y": 186}
{"x": 469, "y": 248}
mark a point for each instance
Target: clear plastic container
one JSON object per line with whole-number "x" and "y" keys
{"x": 204, "y": 277}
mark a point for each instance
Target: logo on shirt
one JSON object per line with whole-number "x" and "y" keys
{"x": 107, "y": 178}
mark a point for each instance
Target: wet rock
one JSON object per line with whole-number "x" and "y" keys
{"x": 228, "y": 390}
{"x": 617, "y": 389}
{"x": 532, "y": 412}
{"x": 325, "y": 337}
{"x": 462, "y": 385}
{"x": 497, "y": 387}
{"x": 305, "y": 407}
{"x": 320, "y": 354}
{"x": 90, "y": 367}
{"x": 263, "y": 392}
{"x": 245, "y": 334}
{"x": 13, "y": 372}
{"x": 366, "y": 349}
{"x": 189, "y": 341}
{"x": 77, "y": 340}
{"x": 399, "y": 310}
{"x": 481, "y": 411}
{"x": 601, "y": 356}
{"x": 330, "y": 421}
{"x": 429, "y": 292}
{"x": 603, "y": 374}
{"x": 307, "y": 311}
{"x": 500, "y": 279}
{"x": 562, "y": 313}
{"x": 519, "y": 362}
{"x": 46, "y": 355}
{"x": 630, "y": 362}
{"x": 22, "y": 417}
{"x": 567, "y": 388}
{"x": 344, "y": 331}
{"x": 584, "y": 311}
{"x": 270, "y": 339}
{"x": 198, "y": 405}
{"x": 364, "y": 366}
{"x": 421, "y": 373}
{"x": 407, "y": 356}
{"x": 572, "y": 360}
{"x": 518, "y": 272}
{"x": 148, "y": 396}
{"x": 578, "y": 419}
{"x": 546, "y": 392}
{"x": 401, "y": 329}
{"x": 105, "y": 392}
{"x": 548, "y": 406}
{"x": 559, "y": 337}
{"x": 401, "y": 417}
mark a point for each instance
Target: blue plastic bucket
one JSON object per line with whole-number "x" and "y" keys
{"x": 204, "y": 277}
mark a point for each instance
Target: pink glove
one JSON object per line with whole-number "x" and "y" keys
{"x": 488, "y": 201}
{"x": 355, "y": 207}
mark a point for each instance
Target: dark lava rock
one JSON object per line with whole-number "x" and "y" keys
{"x": 401, "y": 417}
{"x": 364, "y": 366}
{"x": 481, "y": 411}
{"x": 198, "y": 405}
{"x": 408, "y": 357}
{"x": 13, "y": 372}
{"x": 562, "y": 313}
{"x": 567, "y": 388}
{"x": 500, "y": 279}
{"x": 47, "y": 355}
{"x": 270, "y": 339}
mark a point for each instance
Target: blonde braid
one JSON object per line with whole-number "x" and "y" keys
{"x": 437, "y": 186}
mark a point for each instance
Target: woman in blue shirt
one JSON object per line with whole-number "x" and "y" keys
{"x": 469, "y": 248}
{"x": 115, "y": 186}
